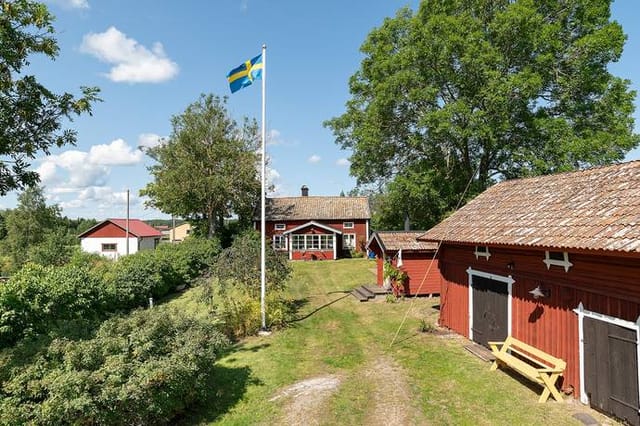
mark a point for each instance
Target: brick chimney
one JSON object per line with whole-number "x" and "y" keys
{"x": 304, "y": 190}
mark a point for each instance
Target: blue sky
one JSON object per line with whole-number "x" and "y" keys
{"x": 153, "y": 58}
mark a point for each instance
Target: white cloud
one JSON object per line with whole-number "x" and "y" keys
{"x": 314, "y": 159}
{"x": 71, "y": 4}
{"x": 100, "y": 198}
{"x": 132, "y": 62}
{"x": 80, "y": 172}
{"x": 74, "y": 170}
{"x": 274, "y": 137}
{"x": 117, "y": 153}
{"x": 149, "y": 140}
{"x": 343, "y": 162}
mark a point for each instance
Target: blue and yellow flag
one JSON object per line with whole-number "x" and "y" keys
{"x": 244, "y": 75}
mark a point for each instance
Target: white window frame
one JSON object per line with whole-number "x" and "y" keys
{"x": 345, "y": 241}
{"x": 280, "y": 226}
{"x": 348, "y": 225}
{"x": 115, "y": 247}
{"x": 281, "y": 238}
{"x": 485, "y": 253}
{"x": 564, "y": 263}
{"x": 312, "y": 242}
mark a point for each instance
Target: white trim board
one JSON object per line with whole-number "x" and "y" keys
{"x": 500, "y": 278}
{"x": 582, "y": 313}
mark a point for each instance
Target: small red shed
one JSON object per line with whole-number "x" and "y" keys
{"x": 416, "y": 258}
{"x": 555, "y": 262}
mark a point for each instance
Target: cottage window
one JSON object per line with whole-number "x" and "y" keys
{"x": 297, "y": 242}
{"x": 280, "y": 227}
{"x": 312, "y": 242}
{"x": 349, "y": 241}
{"x": 557, "y": 258}
{"x": 482, "y": 251}
{"x": 109, "y": 247}
{"x": 347, "y": 225}
{"x": 279, "y": 242}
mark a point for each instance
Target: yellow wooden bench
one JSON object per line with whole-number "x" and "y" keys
{"x": 531, "y": 362}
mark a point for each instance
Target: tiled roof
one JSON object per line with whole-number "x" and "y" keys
{"x": 317, "y": 208}
{"x": 136, "y": 227}
{"x": 594, "y": 209}
{"x": 405, "y": 240}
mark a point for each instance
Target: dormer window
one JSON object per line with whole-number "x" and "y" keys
{"x": 482, "y": 251}
{"x": 557, "y": 258}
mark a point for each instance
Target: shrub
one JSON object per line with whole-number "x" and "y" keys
{"x": 145, "y": 368}
{"x": 133, "y": 279}
{"x": 33, "y": 299}
{"x": 191, "y": 257}
{"x": 240, "y": 265}
{"x": 238, "y": 312}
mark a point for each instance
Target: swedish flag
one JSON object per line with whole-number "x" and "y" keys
{"x": 244, "y": 75}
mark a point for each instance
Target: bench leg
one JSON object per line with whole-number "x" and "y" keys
{"x": 550, "y": 387}
{"x": 494, "y": 366}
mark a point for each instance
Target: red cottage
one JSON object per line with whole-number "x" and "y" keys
{"x": 416, "y": 258}
{"x": 317, "y": 228}
{"x": 555, "y": 262}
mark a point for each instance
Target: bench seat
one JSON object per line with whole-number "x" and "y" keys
{"x": 536, "y": 365}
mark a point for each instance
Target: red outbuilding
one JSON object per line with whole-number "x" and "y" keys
{"x": 555, "y": 262}
{"x": 415, "y": 258}
{"x": 317, "y": 227}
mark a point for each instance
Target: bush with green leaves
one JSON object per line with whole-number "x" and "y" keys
{"x": 36, "y": 297}
{"x": 240, "y": 265}
{"x": 234, "y": 291}
{"x": 190, "y": 257}
{"x": 145, "y": 368}
{"x": 133, "y": 279}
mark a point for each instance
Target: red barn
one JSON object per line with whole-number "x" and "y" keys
{"x": 555, "y": 262}
{"x": 317, "y": 227}
{"x": 415, "y": 258}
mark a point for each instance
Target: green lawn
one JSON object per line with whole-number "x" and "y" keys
{"x": 439, "y": 382}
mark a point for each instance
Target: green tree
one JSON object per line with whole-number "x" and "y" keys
{"x": 31, "y": 116}
{"x": 206, "y": 170}
{"x": 473, "y": 91}
{"x": 28, "y": 224}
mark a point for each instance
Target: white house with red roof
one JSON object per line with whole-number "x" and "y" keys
{"x": 109, "y": 237}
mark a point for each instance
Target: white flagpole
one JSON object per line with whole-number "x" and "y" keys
{"x": 263, "y": 192}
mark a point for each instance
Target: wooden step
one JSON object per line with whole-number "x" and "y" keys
{"x": 376, "y": 289}
{"x": 366, "y": 292}
{"x": 355, "y": 293}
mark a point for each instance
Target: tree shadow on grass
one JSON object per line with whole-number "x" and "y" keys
{"x": 319, "y": 308}
{"x": 227, "y": 386}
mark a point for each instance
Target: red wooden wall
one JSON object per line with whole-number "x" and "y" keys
{"x": 424, "y": 277}
{"x": 603, "y": 284}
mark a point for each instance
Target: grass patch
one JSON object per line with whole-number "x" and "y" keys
{"x": 337, "y": 335}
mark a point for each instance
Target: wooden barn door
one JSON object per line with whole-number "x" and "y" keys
{"x": 490, "y": 310}
{"x": 611, "y": 369}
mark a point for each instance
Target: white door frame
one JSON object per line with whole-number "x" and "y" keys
{"x": 582, "y": 313}
{"x": 504, "y": 279}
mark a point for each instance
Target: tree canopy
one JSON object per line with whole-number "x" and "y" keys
{"x": 31, "y": 116}
{"x": 467, "y": 92}
{"x": 207, "y": 169}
